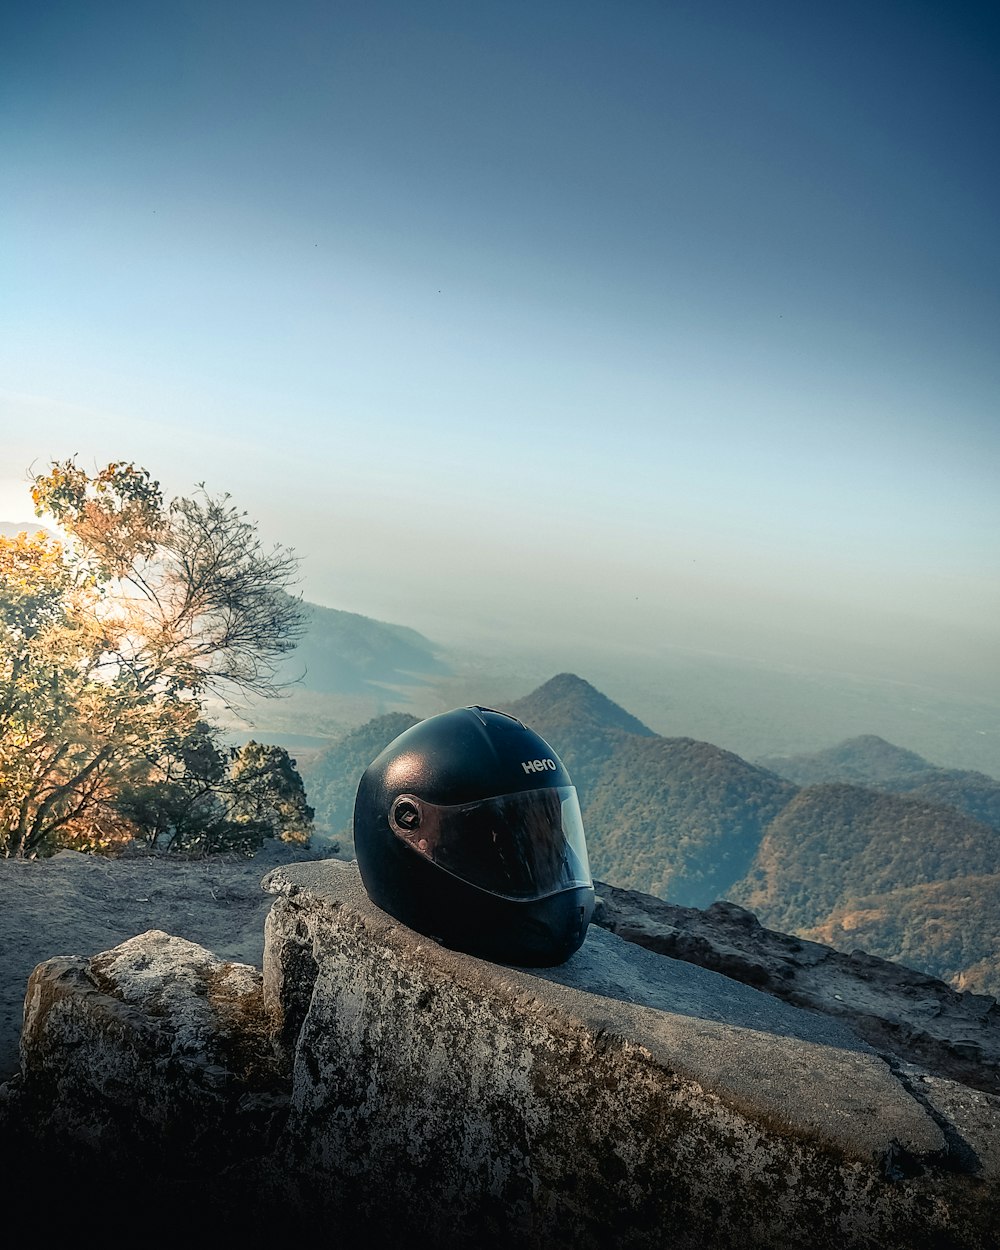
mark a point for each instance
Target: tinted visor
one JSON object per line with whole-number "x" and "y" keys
{"x": 519, "y": 846}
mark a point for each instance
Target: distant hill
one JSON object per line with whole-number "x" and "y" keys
{"x": 669, "y": 816}
{"x": 568, "y": 702}
{"x": 678, "y": 818}
{"x": 344, "y": 653}
{"x": 11, "y": 529}
{"x": 834, "y": 842}
{"x": 584, "y": 726}
{"x": 346, "y": 669}
{"x": 871, "y": 761}
{"x": 973, "y": 793}
{"x": 947, "y": 928}
{"x": 905, "y": 876}
{"x": 865, "y": 761}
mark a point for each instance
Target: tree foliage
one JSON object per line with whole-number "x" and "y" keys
{"x": 835, "y": 843}
{"x": 945, "y": 928}
{"x": 199, "y": 798}
{"x": 191, "y": 599}
{"x": 266, "y": 793}
{"x": 679, "y": 818}
{"x": 898, "y": 876}
{"x": 109, "y": 642}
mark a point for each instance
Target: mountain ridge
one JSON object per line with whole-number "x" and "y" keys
{"x": 583, "y": 725}
{"x": 345, "y": 653}
{"x": 11, "y": 529}
{"x": 872, "y": 762}
{"x": 864, "y": 759}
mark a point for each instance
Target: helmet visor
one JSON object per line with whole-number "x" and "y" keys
{"x": 519, "y": 846}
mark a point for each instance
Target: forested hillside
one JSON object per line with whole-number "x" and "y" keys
{"x": 833, "y": 843}
{"x": 973, "y": 793}
{"x": 678, "y": 818}
{"x": 344, "y": 653}
{"x": 947, "y": 928}
{"x": 584, "y": 726}
{"x": 871, "y": 761}
{"x": 864, "y": 761}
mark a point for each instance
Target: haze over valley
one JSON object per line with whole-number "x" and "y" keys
{"x": 349, "y": 668}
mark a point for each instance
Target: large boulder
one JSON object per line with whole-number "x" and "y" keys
{"x": 623, "y": 1099}
{"x": 150, "y": 1069}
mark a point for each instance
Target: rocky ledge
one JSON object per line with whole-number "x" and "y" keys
{"x": 899, "y": 1011}
{"x": 374, "y": 1083}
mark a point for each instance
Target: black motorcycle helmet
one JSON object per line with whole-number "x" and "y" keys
{"x": 467, "y": 828}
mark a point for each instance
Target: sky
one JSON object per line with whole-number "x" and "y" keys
{"x": 672, "y": 324}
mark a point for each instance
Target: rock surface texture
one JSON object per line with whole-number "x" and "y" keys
{"x": 375, "y": 1084}
{"x": 900, "y": 1011}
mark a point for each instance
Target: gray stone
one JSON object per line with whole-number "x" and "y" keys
{"x": 900, "y": 1011}
{"x": 624, "y": 1098}
{"x": 156, "y": 1050}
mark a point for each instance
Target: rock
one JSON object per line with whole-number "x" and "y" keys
{"x": 905, "y": 1014}
{"x": 623, "y": 1099}
{"x": 155, "y": 1060}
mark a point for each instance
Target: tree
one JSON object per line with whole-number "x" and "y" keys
{"x": 194, "y": 600}
{"x": 266, "y": 793}
{"x": 199, "y": 798}
{"x": 177, "y": 803}
{"x": 65, "y": 722}
{"x": 110, "y": 641}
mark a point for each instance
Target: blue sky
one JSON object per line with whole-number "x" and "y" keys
{"x": 672, "y": 323}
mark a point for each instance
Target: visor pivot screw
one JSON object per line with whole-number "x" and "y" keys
{"x": 406, "y": 814}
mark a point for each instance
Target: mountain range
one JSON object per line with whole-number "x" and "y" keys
{"x": 872, "y": 762}
{"x": 881, "y": 862}
{"x": 349, "y": 668}
{"x": 345, "y": 670}
{"x": 864, "y": 844}
{"x": 345, "y": 653}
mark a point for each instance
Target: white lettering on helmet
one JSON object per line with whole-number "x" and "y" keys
{"x": 539, "y": 766}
